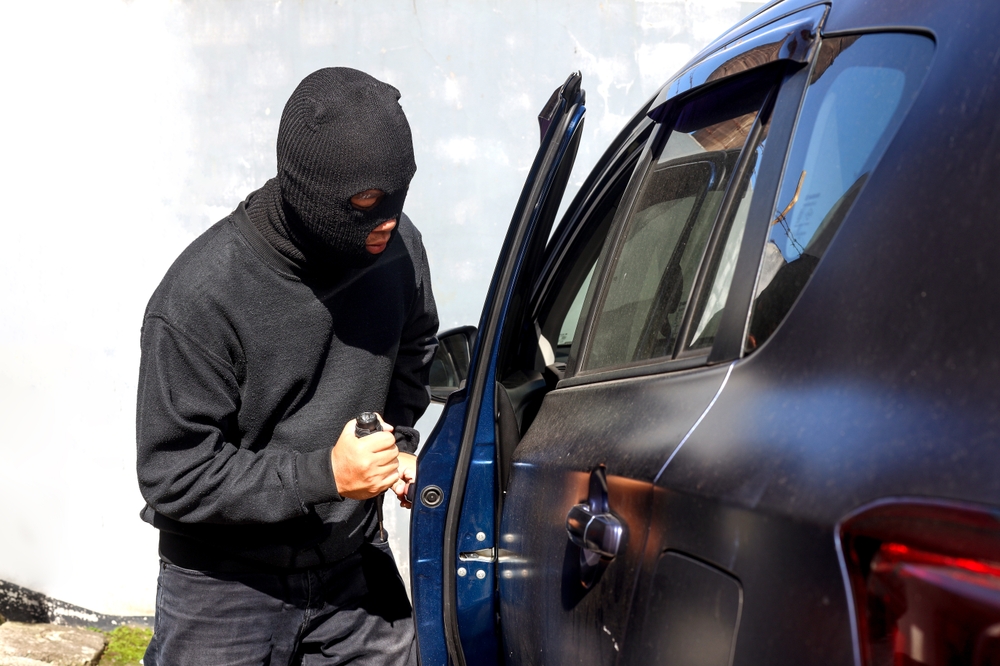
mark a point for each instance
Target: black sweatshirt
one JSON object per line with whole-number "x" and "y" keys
{"x": 249, "y": 373}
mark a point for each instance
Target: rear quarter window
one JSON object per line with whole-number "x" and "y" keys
{"x": 859, "y": 91}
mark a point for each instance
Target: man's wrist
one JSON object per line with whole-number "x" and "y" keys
{"x": 315, "y": 478}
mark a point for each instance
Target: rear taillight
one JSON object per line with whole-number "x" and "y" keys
{"x": 925, "y": 577}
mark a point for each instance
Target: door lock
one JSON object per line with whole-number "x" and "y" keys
{"x": 431, "y": 497}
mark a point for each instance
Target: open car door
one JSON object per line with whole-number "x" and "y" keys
{"x": 454, "y": 523}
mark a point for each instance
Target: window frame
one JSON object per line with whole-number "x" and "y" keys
{"x": 787, "y": 44}
{"x": 728, "y": 344}
{"x": 564, "y": 250}
{"x": 520, "y": 347}
{"x": 782, "y": 106}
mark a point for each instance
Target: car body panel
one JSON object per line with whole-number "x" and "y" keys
{"x": 576, "y": 431}
{"x": 465, "y": 449}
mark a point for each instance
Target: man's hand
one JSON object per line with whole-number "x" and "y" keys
{"x": 407, "y": 475}
{"x": 364, "y": 468}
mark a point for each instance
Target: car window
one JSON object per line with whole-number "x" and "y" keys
{"x": 542, "y": 343}
{"x": 858, "y": 93}
{"x": 669, "y": 227}
{"x": 558, "y": 320}
{"x": 719, "y": 275}
{"x": 568, "y": 328}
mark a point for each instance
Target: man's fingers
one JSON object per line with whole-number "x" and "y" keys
{"x": 385, "y": 483}
{"x": 383, "y": 472}
{"x": 400, "y": 487}
{"x": 384, "y": 459}
{"x": 376, "y": 487}
{"x": 381, "y": 466}
{"x": 379, "y": 441}
{"x": 385, "y": 426}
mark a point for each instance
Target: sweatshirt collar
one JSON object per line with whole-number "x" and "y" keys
{"x": 265, "y": 250}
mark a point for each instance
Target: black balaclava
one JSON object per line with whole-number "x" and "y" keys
{"x": 342, "y": 132}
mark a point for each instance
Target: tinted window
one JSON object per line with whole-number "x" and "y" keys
{"x": 858, "y": 93}
{"x": 568, "y": 329}
{"x": 559, "y": 316}
{"x": 669, "y": 227}
{"x": 719, "y": 276}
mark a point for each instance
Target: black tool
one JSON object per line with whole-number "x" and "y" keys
{"x": 367, "y": 423}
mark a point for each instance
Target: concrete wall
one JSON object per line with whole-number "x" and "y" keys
{"x": 127, "y": 128}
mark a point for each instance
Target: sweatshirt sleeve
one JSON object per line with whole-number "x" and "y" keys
{"x": 190, "y": 463}
{"x": 408, "y": 395}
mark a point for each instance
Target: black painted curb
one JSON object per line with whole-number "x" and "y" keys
{"x": 19, "y": 604}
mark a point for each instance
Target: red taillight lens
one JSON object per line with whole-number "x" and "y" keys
{"x": 926, "y": 584}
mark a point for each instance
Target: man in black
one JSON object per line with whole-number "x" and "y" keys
{"x": 309, "y": 304}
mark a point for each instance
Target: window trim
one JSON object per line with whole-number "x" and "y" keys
{"x": 618, "y": 161}
{"x": 723, "y": 223}
{"x": 566, "y": 240}
{"x": 609, "y": 256}
{"x": 785, "y": 101}
{"x": 656, "y": 366}
{"x": 728, "y": 343}
{"x": 791, "y": 39}
{"x": 603, "y": 175}
{"x": 586, "y": 237}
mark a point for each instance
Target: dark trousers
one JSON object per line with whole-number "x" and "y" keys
{"x": 355, "y": 611}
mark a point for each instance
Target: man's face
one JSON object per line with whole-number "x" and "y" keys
{"x": 379, "y": 237}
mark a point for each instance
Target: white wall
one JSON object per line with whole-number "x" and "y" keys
{"x": 127, "y": 128}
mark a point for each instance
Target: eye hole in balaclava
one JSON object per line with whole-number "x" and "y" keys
{"x": 342, "y": 132}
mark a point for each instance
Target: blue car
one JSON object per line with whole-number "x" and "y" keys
{"x": 741, "y": 404}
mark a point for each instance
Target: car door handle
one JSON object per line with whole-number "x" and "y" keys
{"x": 599, "y": 533}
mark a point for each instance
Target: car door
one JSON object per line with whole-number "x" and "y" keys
{"x": 746, "y": 512}
{"x": 457, "y": 464}
{"x": 597, "y": 356}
